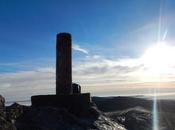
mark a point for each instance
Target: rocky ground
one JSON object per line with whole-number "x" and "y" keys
{"x": 109, "y": 113}
{"x": 19, "y": 117}
{"x": 136, "y": 113}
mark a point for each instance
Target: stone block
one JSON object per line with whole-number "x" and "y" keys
{"x": 77, "y": 104}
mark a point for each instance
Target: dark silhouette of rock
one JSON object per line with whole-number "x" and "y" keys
{"x": 54, "y": 118}
{"x": 4, "y": 123}
{"x": 129, "y": 116}
{"x": 14, "y": 111}
{"x": 2, "y": 103}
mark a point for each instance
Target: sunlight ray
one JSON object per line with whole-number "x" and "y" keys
{"x": 155, "y": 109}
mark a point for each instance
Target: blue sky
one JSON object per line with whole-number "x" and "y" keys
{"x": 106, "y": 35}
{"x": 28, "y": 28}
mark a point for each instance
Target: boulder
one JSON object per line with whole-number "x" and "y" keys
{"x": 2, "y": 103}
{"x": 4, "y": 123}
{"x": 57, "y": 118}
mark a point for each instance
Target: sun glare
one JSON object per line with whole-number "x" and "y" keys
{"x": 158, "y": 61}
{"x": 159, "y": 58}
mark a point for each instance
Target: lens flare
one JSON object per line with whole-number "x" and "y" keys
{"x": 155, "y": 112}
{"x": 160, "y": 49}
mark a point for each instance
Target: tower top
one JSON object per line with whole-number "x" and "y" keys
{"x": 63, "y": 37}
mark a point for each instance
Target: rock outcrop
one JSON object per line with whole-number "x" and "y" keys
{"x": 50, "y": 118}
{"x": 134, "y": 118}
{"x": 2, "y": 103}
{"x": 4, "y": 123}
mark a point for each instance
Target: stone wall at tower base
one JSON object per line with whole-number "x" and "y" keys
{"x": 77, "y": 104}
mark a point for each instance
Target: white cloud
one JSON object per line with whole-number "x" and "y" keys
{"x": 95, "y": 71}
{"x": 22, "y": 85}
{"x": 95, "y": 74}
{"x": 76, "y": 47}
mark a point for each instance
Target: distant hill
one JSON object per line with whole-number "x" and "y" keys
{"x": 136, "y": 113}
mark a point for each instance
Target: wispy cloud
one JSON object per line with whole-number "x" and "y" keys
{"x": 77, "y": 47}
{"x": 21, "y": 85}
{"x": 27, "y": 65}
{"x": 95, "y": 73}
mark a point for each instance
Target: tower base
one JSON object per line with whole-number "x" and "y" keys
{"x": 77, "y": 104}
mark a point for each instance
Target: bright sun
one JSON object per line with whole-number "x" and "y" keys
{"x": 159, "y": 59}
